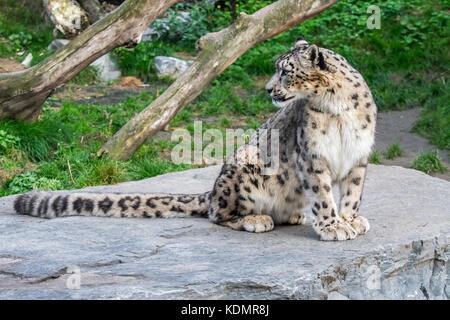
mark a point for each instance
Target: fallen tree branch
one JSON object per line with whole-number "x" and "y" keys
{"x": 23, "y": 93}
{"x": 218, "y": 51}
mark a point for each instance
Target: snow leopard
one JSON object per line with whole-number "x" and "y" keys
{"x": 326, "y": 127}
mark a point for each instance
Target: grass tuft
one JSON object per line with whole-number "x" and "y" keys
{"x": 429, "y": 162}
{"x": 393, "y": 152}
{"x": 375, "y": 157}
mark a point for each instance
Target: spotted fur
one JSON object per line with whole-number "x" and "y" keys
{"x": 326, "y": 127}
{"x": 52, "y": 205}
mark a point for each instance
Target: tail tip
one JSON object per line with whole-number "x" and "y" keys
{"x": 20, "y": 204}
{"x": 24, "y": 203}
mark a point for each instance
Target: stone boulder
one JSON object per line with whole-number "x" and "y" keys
{"x": 404, "y": 256}
{"x": 107, "y": 67}
{"x": 57, "y": 43}
{"x": 27, "y": 61}
{"x": 171, "y": 67}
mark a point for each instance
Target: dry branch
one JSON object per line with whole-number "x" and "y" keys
{"x": 23, "y": 93}
{"x": 218, "y": 51}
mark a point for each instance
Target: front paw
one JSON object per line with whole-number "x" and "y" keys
{"x": 297, "y": 219}
{"x": 340, "y": 230}
{"x": 360, "y": 224}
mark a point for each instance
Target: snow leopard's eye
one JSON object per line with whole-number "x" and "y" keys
{"x": 284, "y": 73}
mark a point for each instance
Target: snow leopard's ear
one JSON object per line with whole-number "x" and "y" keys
{"x": 316, "y": 57}
{"x": 300, "y": 42}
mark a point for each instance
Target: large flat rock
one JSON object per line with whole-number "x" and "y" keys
{"x": 404, "y": 255}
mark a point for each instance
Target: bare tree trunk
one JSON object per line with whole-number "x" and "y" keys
{"x": 22, "y": 93}
{"x": 218, "y": 51}
{"x": 93, "y": 8}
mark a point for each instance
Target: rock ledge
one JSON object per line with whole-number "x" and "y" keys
{"x": 404, "y": 256}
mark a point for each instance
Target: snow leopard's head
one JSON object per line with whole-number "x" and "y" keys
{"x": 303, "y": 72}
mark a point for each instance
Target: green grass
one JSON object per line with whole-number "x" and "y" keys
{"x": 375, "y": 157}
{"x": 224, "y": 122}
{"x": 434, "y": 122}
{"x": 428, "y": 162}
{"x": 393, "y": 152}
{"x": 62, "y": 146}
{"x": 22, "y": 28}
{"x": 223, "y": 99}
{"x": 31, "y": 180}
{"x": 36, "y": 155}
{"x": 405, "y": 63}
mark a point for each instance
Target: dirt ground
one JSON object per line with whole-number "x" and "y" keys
{"x": 395, "y": 127}
{"x": 100, "y": 95}
{"x": 9, "y": 65}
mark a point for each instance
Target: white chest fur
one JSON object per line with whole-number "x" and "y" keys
{"x": 341, "y": 141}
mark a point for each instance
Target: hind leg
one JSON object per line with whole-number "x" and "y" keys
{"x": 251, "y": 223}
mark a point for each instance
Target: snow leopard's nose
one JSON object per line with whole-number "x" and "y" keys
{"x": 271, "y": 83}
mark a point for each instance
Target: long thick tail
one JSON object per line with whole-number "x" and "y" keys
{"x": 52, "y": 205}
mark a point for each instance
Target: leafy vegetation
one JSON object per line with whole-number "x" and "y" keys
{"x": 7, "y": 142}
{"x": 434, "y": 122}
{"x": 375, "y": 157}
{"x": 405, "y": 63}
{"x": 70, "y": 136}
{"x": 393, "y": 152}
{"x": 21, "y": 29}
{"x": 30, "y": 180}
{"x": 428, "y": 162}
